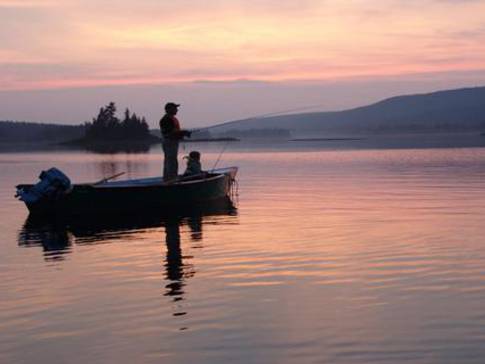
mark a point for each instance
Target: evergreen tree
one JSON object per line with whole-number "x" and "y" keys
{"x": 106, "y": 126}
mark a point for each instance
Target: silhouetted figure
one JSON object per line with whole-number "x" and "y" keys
{"x": 172, "y": 133}
{"x": 194, "y": 167}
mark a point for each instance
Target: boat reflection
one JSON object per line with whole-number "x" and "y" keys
{"x": 56, "y": 236}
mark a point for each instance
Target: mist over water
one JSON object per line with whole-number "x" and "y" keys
{"x": 335, "y": 254}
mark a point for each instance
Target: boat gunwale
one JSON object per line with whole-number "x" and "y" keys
{"x": 130, "y": 184}
{"x": 218, "y": 173}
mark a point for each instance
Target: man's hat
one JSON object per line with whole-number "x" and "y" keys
{"x": 169, "y": 105}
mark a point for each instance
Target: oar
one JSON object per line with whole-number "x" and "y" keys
{"x": 108, "y": 178}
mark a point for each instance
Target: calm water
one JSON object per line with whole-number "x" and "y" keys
{"x": 350, "y": 256}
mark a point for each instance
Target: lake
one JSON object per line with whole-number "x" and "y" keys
{"x": 334, "y": 255}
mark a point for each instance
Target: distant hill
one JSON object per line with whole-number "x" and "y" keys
{"x": 461, "y": 110}
{"x": 29, "y": 132}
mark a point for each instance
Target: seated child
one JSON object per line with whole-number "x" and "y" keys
{"x": 193, "y": 164}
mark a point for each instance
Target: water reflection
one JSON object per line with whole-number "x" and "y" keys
{"x": 53, "y": 237}
{"x": 177, "y": 266}
{"x": 112, "y": 165}
{"x": 56, "y": 239}
{"x": 111, "y": 148}
{"x": 56, "y": 236}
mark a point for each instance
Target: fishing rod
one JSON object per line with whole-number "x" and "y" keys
{"x": 274, "y": 113}
{"x": 250, "y": 118}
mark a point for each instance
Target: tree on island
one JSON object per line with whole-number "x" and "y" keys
{"x": 107, "y": 127}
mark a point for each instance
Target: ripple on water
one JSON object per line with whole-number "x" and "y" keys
{"x": 341, "y": 257}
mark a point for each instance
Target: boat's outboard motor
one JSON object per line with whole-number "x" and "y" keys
{"x": 52, "y": 185}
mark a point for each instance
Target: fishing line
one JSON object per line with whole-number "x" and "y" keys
{"x": 282, "y": 112}
{"x": 251, "y": 118}
{"x": 274, "y": 113}
{"x": 220, "y": 155}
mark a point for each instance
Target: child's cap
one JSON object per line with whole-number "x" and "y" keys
{"x": 194, "y": 154}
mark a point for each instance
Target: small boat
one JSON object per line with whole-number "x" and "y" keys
{"x": 126, "y": 195}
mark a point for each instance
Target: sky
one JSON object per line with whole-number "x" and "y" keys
{"x": 60, "y": 60}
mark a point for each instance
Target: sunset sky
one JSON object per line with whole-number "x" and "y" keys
{"x": 333, "y": 54}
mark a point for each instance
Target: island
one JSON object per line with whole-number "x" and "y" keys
{"x": 108, "y": 133}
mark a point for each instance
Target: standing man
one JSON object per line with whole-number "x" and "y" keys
{"x": 171, "y": 136}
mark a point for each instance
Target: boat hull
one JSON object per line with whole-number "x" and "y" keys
{"x": 122, "y": 197}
